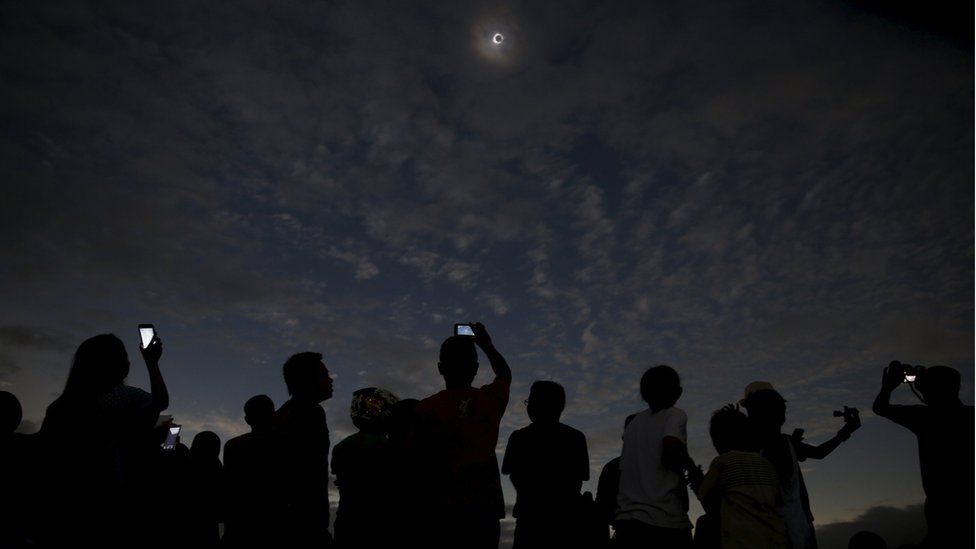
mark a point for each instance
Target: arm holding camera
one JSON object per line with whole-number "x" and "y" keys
{"x": 852, "y": 422}
{"x": 498, "y": 364}
{"x": 893, "y": 376}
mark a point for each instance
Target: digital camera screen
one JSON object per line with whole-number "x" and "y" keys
{"x": 465, "y": 330}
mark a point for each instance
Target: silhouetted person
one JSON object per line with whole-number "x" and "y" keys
{"x": 364, "y": 466}
{"x": 301, "y": 448}
{"x": 16, "y": 471}
{"x": 547, "y": 462}
{"x": 249, "y": 480}
{"x": 94, "y": 437}
{"x": 166, "y": 485}
{"x": 944, "y": 428}
{"x": 608, "y": 486}
{"x": 406, "y": 482}
{"x": 767, "y": 414}
{"x": 455, "y": 434}
{"x": 866, "y": 540}
{"x": 653, "y": 498}
{"x": 204, "y": 491}
{"x": 740, "y": 490}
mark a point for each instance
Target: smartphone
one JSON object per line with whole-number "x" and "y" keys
{"x": 147, "y": 332}
{"x": 909, "y": 378}
{"x": 171, "y": 437}
{"x": 463, "y": 330}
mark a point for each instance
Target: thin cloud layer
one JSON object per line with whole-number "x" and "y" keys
{"x": 720, "y": 188}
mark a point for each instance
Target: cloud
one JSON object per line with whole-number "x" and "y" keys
{"x": 709, "y": 187}
{"x": 898, "y": 526}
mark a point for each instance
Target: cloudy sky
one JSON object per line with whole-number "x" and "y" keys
{"x": 752, "y": 190}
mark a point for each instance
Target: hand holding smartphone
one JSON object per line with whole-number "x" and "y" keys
{"x": 172, "y": 437}
{"x": 149, "y": 343}
{"x": 146, "y": 333}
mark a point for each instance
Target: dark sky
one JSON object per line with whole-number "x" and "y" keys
{"x": 776, "y": 191}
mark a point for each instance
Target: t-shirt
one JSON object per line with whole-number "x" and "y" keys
{"x": 945, "y": 446}
{"x": 649, "y": 492}
{"x": 455, "y": 434}
{"x": 547, "y": 463}
{"x": 749, "y": 496}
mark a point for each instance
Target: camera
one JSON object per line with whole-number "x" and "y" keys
{"x": 849, "y": 414}
{"x": 911, "y": 372}
{"x": 463, "y": 330}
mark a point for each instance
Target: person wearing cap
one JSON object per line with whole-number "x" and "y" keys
{"x": 767, "y": 413}
{"x": 364, "y": 465}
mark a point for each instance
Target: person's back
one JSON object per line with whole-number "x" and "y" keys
{"x": 460, "y": 431}
{"x": 364, "y": 465}
{"x": 94, "y": 440}
{"x": 249, "y": 483}
{"x": 300, "y": 446}
{"x": 548, "y": 462}
{"x": 742, "y": 488}
{"x": 453, "y": 444}
{"x": 652, "y": 499}
{"x": 205, "y": 490}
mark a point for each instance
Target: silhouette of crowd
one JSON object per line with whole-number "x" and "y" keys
{"x": 106, "y": 469}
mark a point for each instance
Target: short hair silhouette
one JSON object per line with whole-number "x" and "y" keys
{"x": 660, "y": 386}
{"x": 259, "y": 411}
{"x": 547, "y": 400}
{"x": 730, "y": 430}
{"x": 301, "y": 370}
{"x": 458, "y": 361}
{"x": 11, "y": 412}
{"x": 206, "y": 445}
{"x": 939, "y": 385}
{"x": 866, "y": 540}
{"x": 99, "y": 364}
{"x": 767, "y": 407}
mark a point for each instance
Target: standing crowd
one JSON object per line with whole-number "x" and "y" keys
{"x": 424, "y": 473}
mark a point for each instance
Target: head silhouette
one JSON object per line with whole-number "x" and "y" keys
{"x": 371, "y": 409}
{"x": 939, "y": 385}
{"x": 307, "y": 378}
{"x": 458, "y": 361}
{"x": 10, "y": 413}
{"x": 730, "y": 430}
{"x": 547, "y": 399}
{"x": 767, "y": 409}
{"x": 258, "y": 412}
{"x": 100, "y": 363}
{"x": 660, "y": 387}
{"x": 205, "y": 446}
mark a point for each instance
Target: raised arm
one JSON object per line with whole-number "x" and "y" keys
{"x": 497, "y": 361}
{"x": 157, "y": 386}
{"x": 852, "y": 422}
{"x": 890, "y": 380}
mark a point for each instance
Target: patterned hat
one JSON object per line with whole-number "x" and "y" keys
{"x": 371, "y": 407}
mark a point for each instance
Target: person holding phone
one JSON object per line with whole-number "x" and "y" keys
{"x": 95, "y": 437}
{"x": 453, "y": 444}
